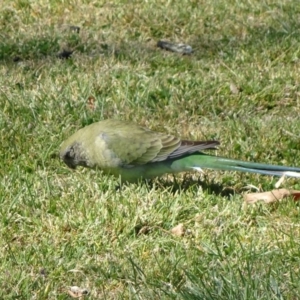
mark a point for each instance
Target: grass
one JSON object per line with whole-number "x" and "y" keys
{"x": 62, "y": 228}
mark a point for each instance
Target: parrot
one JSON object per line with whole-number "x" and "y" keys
{"x": 131, "y": 152}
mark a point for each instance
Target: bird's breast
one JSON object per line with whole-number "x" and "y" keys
{"x": 105, "y": 157}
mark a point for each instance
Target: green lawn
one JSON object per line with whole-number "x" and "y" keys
{"x": 62, "y": 228}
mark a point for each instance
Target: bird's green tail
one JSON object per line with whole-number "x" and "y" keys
{"x": 202, "y": 161}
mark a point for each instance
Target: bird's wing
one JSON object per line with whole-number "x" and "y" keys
{"x": 189, "y": 147}
{"x": 135, "y": 145}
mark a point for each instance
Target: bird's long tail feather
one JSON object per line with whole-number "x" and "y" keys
{"x": 220, "y": 163}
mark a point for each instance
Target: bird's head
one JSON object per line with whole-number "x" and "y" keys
{"x": 73, "y": 155}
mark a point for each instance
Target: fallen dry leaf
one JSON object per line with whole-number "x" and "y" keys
{"x": 178, "y": 230}
{"x": 272, "y": 196}
{"x": 144, "y": 230}
{"x": 91, "y": 103}
{"x": 234, "y": 89}
{"x": 77, "y": 292}
{"x": 179, "y": 48}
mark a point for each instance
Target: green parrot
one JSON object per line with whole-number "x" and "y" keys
{"x": 132, "y": 152}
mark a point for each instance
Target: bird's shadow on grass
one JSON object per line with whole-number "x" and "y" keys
{"x": 190, "y": 184}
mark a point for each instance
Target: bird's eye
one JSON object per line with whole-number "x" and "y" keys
{"x": 69, "y": 154}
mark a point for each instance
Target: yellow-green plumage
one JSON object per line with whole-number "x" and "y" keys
{"x": 125, "y": 149}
